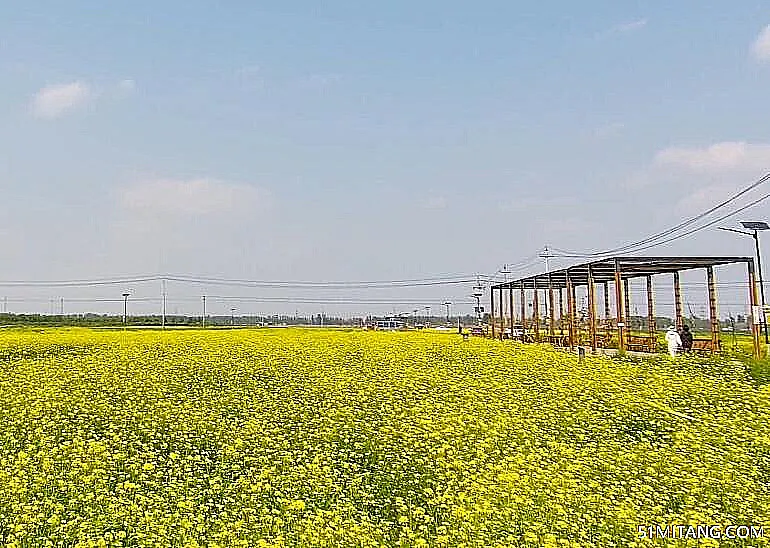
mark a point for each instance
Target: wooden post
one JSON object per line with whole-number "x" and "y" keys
{"x": 551, "y": 312}
{"x": 651, "y": 316}
{"x": 570, "y": 311}
{"x": 592, "y": 308}
{"x": 492, "y": 310}
{"x": 607, "y": 320}
{"x": 627, "y": 303}
{"x": 536, "y": 311}
{"x": 502, "y": 314}
{"x": 523, "y": 307}
{"x": 713, "y": 316}
{"x": 678, "y": 301}
{"x": 561, "y": 311}
{"x": 619, "y": 308}
{"x": 754, "y": 302}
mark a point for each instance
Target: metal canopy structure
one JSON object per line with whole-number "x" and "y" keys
{"x": 616, "y": 271}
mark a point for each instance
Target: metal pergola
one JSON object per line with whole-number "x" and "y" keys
{"x": 616, "y": 271}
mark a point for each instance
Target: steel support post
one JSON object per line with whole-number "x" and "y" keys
{"x": 592, "y": 309}
{"x": 510, "y": 307}
{"x": 561, "y": 311}
{"x": 523, "y": 307}
{"x": 502, "y": 314}
{"x": 607, "y": 319}
{"x": 570, "y": 311}
{"x": 678, "y": 301}
{"x": 651, "y": 316}
{"x": 619, "y": 308}
{"x": 753, "y": 300}
{"x": 551, "y": 314}
{"x": 713, "y": 315}
{"x": 627, "y": 304}
{"x": 492, "y": 310}
{"x": 536, "y": 311}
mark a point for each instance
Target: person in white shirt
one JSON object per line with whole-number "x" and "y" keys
{"x": 673, "y": 340}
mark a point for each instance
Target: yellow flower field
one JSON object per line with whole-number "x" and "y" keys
{"x": 319, "y": 438}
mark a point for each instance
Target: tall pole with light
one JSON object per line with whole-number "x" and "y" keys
{"x": 447, "y": 304}
{"x": 125, "y": 307}
{"x": 755, "y": 227}
{"x": 478, "y": 291}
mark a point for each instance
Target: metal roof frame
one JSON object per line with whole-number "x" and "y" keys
{"x": 603, "y": 270}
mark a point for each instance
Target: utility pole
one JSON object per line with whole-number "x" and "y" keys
{"x": 163, "y": 310}
{"x": 125, "y": 308}
{"x": 203, "y": 318}
{"x": 478, "y": 291}
{"x": 447, "y": 304}
{"x": 232, "y": 317}
{"x": 755, "y": 227}
{"x": 61, "y": 306}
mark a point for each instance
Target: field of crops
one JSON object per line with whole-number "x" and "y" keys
{"x": 317, "y": 438}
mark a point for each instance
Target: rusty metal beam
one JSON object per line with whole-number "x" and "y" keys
{"x": 523, "y": 308}
{"x": 678, "y": 301}
{"x": 619, "y": 308}
{"x": 607, "y": 320}
{"x": 502, "y": 314}
{"x": 713, "y": 314}
{"x": 536, "y": 312}
{"x": 754, "y": 302}
{"x": 651, "y": 314}
{"x": 570, "y": 311}
{"x": 492, "y": 311}
{"x": 627, "y": 305}
{"x": 592, "y": 309}
{"x": 551, "y": 319}
{"x": 561, "y": 311}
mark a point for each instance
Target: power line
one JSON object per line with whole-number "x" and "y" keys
{"x": 635, "y": 246}
{"x": 417, "y": 282}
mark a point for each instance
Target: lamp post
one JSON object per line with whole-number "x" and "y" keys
{"x": 427, "y": 315}
{"x": 478, "y": 291}
{"x": 125, "y": 307}
{"x": 755, "y": 227}
{"x": 232, "y": 317}
{"x": 447, "y": 304}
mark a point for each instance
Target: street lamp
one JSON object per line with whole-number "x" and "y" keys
{"x": 125, "y": 307}
{"x": 427, "y": 315}
{"x": 447, "y": 304}
{"x": 232, "y": 317}
{"x": 478, "y": 291}
{"x": 755, "y": 227}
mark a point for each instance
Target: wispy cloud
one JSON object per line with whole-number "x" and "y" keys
{"x": 191, "y": 197}
{"x": 728, "y": 155}
{"x": 435, "y": 202}
{"x": 608, "y": 130}
{"x": 127, "y": 85}
{"x": 624, "y": 28}
{"x": 761, "y": 46}
{"x": 56, "y": 100}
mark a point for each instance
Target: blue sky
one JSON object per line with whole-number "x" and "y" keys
{"x": 359, "y": 141}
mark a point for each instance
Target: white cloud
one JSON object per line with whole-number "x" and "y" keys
{"x": 761, "y": 47}
{"x": 127, "y": 85}
{"x": 435, "y": 202}
{"x": 56, "y": 100}
{"x": 192, "y": 197}
{"x": 624, "y": 28}
{"x": 725, "y": 156}
{"x": 608, "y": 130}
